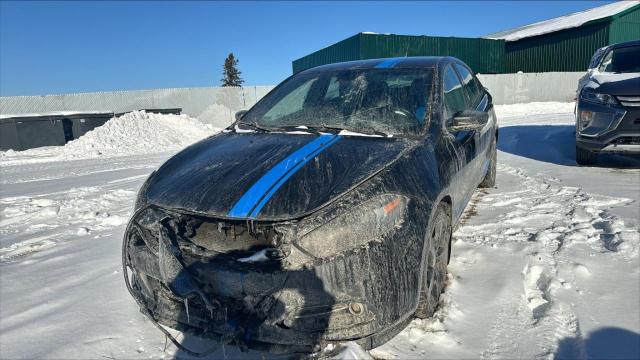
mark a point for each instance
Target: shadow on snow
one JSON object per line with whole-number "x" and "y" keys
{"x": 554, "y": 144}
{"x": 604, "y": 343}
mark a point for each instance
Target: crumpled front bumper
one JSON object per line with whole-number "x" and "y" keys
{"x": 361, "y": 295}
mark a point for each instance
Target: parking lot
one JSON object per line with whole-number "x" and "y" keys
{"x": 538, "y": 264}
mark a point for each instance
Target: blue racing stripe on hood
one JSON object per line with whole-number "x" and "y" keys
{"x": 259, "y": 193}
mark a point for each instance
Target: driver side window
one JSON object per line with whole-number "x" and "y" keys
{"x": 454, "y": 100}
{"x": 605, "y": 66}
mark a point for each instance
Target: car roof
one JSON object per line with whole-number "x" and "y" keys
{"x": 624, "y": 44}
{"x": 413, "y": 62}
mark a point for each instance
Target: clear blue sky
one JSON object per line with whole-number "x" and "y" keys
{"x": 59, "y": 47}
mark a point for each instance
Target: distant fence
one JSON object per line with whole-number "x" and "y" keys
{"x": 217, "y": 105}
{"x": 212, "y": 105}
{"x": 529, "y": 87}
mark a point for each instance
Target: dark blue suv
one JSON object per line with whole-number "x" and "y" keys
{"x": 608, "y": 103}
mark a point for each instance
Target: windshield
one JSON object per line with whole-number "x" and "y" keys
{"x": 622, "y": 60}
{"x": 370, "y": 101}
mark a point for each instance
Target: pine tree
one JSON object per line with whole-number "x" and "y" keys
{"x": 230, "y": 72}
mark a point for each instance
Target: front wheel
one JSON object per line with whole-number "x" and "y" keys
{"x": 585, "y": 157}
{"x": 436, "y": 260}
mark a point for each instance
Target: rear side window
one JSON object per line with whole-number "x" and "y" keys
{"x": 471, "y": 86}
{"x": 454, "y": 99}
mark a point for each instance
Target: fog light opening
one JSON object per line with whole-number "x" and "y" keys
{"x": 586, "y": 117}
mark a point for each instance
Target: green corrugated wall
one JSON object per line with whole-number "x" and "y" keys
{"x": 566, "y": 50}
{"x": 482, "y": 55}
{"x": 625, "y": 27}
{"x": 345, "y": 50}
{"x": 571, "y": 49}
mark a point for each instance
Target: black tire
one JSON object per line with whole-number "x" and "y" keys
{"x": 436, "y": 260}
{"x": 489, "y": 180}
{"x": 585, "y": 157}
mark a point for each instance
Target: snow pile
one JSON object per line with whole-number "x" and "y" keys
{"x": 533, "y": 108}
{"x": 133, "y": 133}
{"x": 140, "y": 132}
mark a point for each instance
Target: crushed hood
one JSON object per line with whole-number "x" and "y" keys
{"x": 617, "y": 84}
{"x": 268, "y": 176}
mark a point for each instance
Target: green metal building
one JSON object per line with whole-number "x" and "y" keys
{"x": 561, "y": 44}
{"x": 483, "y": 55}
{"x": 567, "y": 43}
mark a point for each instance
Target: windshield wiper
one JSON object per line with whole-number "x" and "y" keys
{"x": 315, "y": 129}
{"x": 319, "y": 129}
{"x": 255, "y": 126}
{"x": 325, "y": 128}
{"x": 370, "y": 132}
{"x": 365, "y": 131}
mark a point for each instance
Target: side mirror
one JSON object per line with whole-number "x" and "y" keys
{"x": 240, "y": 114}
{"x": 468, "y": 120}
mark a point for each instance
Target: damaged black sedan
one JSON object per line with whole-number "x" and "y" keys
{"x": 323, "y": 214}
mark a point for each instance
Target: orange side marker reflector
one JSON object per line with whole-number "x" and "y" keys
{"x": 391, "y": 205}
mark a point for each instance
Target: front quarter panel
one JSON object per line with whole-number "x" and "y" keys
{"x": 387, "y": 274}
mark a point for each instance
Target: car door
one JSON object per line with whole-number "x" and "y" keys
{"x": 478, "y": 100}
{"x": 458, "y": 145}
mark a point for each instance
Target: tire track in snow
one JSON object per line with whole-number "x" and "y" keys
{"x": 509, "y": 320}
{"x": 548, "y": 218}
{"x": 28, "y": 223}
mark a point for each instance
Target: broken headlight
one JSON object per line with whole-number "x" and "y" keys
{"x": 588, "y": 94}
{"x": 596, "y": 120}
{"x": 367, "y": 222}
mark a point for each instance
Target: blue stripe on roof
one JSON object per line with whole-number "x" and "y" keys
{"x": 387, "y": 63}
{"x": 259, "y": 194}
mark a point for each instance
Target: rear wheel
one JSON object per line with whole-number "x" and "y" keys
{"x": 585, "y": 157}
{"x": 489, "y": 180}
{"x": 436, "y": 260}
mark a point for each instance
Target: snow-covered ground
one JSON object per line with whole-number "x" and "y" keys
{"x": 547, "y": 263}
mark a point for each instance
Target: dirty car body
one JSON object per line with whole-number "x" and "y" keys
{"x": 304, "y": 223}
